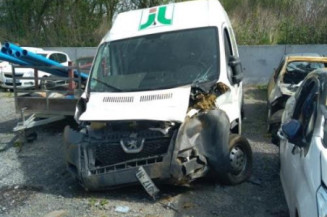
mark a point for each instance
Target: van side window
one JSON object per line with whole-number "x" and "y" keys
{"x": 228, "y": 54}
{"x": 228, "y": 45}
{"x": 233, "y": 41}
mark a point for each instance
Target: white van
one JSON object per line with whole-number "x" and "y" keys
{"x": 164, "y": 96}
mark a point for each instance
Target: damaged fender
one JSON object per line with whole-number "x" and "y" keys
{"x": 201, "y": 143}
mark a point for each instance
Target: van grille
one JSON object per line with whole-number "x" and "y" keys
{"x": 110, "y": 152}
{"x": 119, "y": 99}
{"x": 154, "y": 97}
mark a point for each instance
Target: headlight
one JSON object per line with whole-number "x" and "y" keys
{"x": 322, "y": 201}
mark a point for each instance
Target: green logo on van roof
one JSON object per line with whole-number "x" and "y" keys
{"x": 157, "y": 17}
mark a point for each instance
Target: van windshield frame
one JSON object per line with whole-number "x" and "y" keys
{"x": 157, "y": 61}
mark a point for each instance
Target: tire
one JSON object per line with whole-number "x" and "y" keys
{"x": 240, "y": 168}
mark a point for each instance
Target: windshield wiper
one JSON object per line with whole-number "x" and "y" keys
{"x": 107, "y": 85}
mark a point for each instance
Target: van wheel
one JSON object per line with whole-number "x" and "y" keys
{"x": 240, "y": 161}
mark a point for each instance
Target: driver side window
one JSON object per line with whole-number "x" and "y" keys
{"x": 228, "y": 54}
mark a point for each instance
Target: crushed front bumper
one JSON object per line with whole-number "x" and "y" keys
{"x": 100, "y": 164}
{"x": 183, "y": 154}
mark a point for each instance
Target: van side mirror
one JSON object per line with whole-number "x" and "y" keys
{"x": 235, "y": 64}
{"x": 292, "y": 131}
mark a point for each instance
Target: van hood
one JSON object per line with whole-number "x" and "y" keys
{"x": 162, "y": 105}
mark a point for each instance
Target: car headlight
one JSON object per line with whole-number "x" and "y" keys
{"x": 322, "y": 201}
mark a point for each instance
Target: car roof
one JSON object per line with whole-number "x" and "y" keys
{"x": 33, "y": 49}
{"x": 49, "y": 52}
{"x": 306, "y": 59}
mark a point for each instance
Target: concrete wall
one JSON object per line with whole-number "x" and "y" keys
{"x": 258, "y": 61}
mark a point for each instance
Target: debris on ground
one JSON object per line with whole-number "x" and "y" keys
{"x": 122, "y": 209}
{"x": 169, "y": 205}
{"x": 255, "y": 181}
{"x": 188, "y": 205}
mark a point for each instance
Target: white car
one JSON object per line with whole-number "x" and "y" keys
{"x": 303, "y": 148}
{"x": 6, "y": 77}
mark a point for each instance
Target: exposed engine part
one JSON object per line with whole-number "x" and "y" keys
{"x": 205, "y": 101}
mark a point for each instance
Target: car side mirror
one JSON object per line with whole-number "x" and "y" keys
{"x": 235, "y": 64}
{"x": 292, "y": 131}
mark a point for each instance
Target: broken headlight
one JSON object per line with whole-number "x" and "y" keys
{"x": 322, "y": 201}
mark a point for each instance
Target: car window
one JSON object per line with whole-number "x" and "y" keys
{"x": 306, "y": 109}
{"x": 296, "y": 71}
{"x": 61, "y": 58}
{"x": 53, "y": 57}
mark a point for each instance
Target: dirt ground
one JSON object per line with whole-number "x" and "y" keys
{"x": 34, "y": 181}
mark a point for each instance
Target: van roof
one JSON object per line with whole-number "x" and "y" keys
{"x": 166, "y": 18}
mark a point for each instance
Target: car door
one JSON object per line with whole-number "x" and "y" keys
{"x": 300, "y": 160}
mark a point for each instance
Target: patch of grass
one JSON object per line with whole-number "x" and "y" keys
{"x": 104, "y": 202}
{"x": 92, "y": 201}
{"x": 262, "y": 87}
{"x": 9, "y": 95}
{"x": 18, "y": 144}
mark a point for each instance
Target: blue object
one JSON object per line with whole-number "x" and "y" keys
{"x": 70, "y": 97}
{"x": 13, "y": 47}
{"x": 292, "y": 129}
{"x": 12, "y": 59}
{"x": 4, "y": 50}
{"x": 15, "y": 54}
{"x": 83, "y": 75}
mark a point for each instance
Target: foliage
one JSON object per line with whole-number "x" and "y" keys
{"x": 84, "y": 22}
{"x": 278, "y": 21}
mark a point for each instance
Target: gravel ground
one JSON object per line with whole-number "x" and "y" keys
{"x": 34, "y": 181}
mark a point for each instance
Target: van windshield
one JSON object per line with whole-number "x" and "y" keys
{"x": 157, "y": 61}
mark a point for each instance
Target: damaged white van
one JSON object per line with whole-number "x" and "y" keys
{"x": 164, "y": 97}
